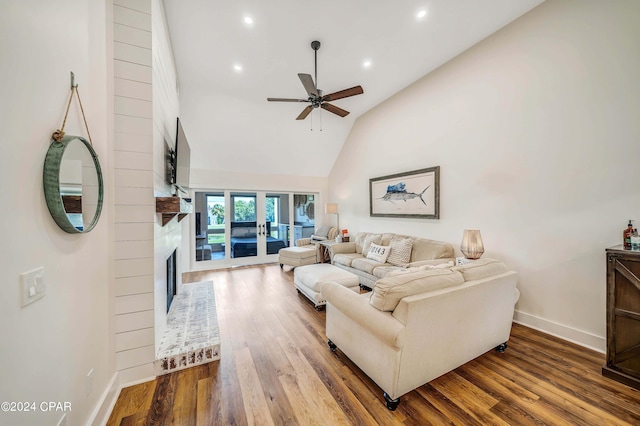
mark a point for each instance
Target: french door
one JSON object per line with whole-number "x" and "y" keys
{"x": 247, "y": 227}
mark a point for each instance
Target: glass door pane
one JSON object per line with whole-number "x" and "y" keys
{"x": 244, "y": 225}
{"x": 248, "y": 227}
{"x": 210, "y": 226}
{"x": 277, "y": 222}
{"x": 304, "y": 209}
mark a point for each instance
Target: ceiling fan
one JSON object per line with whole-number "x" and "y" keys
{"x": 316, "y": 98}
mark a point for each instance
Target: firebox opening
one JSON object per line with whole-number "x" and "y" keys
{"x": 171, "y": 278}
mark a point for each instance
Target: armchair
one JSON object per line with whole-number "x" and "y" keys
{"x": 321, "y": 233}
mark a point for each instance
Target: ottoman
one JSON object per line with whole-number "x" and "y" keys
{"x": 296, "y": 256}
{"x": 310, "y": 279}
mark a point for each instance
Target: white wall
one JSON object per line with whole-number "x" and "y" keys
{"x": 48, "y": 347}
{"x": 536, "y": 133}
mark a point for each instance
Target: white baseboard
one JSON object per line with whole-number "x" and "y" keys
{"x": 107, "y": 401}
{"x": 573, "y": 335}
{"x": 101, "y": 413}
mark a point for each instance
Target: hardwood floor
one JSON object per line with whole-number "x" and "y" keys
{"x": 276, "y": 369}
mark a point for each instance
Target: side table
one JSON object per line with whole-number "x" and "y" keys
{"x": 326, "y": 253}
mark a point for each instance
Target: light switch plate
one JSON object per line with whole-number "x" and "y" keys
{"x": 32, "y": 286}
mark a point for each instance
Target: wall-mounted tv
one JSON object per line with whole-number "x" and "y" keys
{"x": 182, "y": 160}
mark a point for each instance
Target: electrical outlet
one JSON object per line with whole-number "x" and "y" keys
{"x": 32, "y": 286}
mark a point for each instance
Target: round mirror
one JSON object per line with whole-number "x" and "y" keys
{"x": 73, "y": 184}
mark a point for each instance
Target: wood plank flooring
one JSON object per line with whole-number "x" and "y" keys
{"x": 276, "y": 369}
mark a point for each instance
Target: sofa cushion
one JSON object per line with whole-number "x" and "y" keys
{"x": 443, "y": 265}
{"x": 481, "y": 268}
{"x": 366, "y": 265}
{"x": 345, "y": 258}
{"x": 433, "y": 262}
{"x": 400, "y": 251}
{"x": 390, "y": 290}
{"x": 371, "y": 238}
{"x": 424, "y": 249}
{"x": 359, "y": 240}
{"x": 378, "y": 253}
{"x": 385, "y": 270}
{"x": 408, "y": 268}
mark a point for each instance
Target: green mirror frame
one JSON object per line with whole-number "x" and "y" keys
{"x": 52, "y": 190}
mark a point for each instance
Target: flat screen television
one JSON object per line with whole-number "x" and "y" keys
{"x": 182, "y": 160}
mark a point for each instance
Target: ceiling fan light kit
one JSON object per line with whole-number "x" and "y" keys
{"x": 316, "y": 99}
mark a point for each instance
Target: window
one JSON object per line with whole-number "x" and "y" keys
{"x": 244, "y": 208}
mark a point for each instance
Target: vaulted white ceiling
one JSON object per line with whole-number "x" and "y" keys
{"x": 225, "y": 114}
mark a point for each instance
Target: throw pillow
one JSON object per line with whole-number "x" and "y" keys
{"x": 378, "y": 253}
{"x": 371, "y": 238}
{"x": 239, "y": 232}
{"x": 323, "y": 231}
{"x": 400, "y": 251}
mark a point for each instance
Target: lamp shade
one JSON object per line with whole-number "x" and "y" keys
{"x": 471, "y": 245}
{"x": 331, "y": 208}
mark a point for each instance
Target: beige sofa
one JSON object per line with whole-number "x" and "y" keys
{"x": 414, "y": 252}
{"x": 419, "y": 324}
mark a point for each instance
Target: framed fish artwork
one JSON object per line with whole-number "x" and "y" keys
{"x": 413, "y": 194}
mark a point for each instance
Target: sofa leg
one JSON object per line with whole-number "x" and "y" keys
{"x": 281, "y": 266}
{"x": 501, "y": 347}
{"x": 332, "y": 345}
{"x": 392, "y": 404}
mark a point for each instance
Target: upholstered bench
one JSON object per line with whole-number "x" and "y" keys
{"x": 297, "y": 256}
{"x": 310, "y": 279}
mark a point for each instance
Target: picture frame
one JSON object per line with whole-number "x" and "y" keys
{"x": 414, "y": 194}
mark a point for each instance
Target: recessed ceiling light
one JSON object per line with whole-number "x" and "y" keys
{"x": 421, "y": 14}
{"x": 237, "y": 67}
{"x": 248, "y": 20}
{"x": 367, "y": 63}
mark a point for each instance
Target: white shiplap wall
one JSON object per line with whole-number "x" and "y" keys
{"x": 167, "y": 238}
{"x": 134, "y": 196}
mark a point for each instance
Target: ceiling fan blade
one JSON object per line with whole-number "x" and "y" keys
{"x": 334, "y": 109}
{"x": 286, "y": 100}
{"x": 357, "y": 90}
{"x": 307, "y": 82}
{"x": 304, "y": 113}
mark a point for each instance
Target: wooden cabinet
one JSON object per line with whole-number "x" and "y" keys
{"x": 623, "y": 316}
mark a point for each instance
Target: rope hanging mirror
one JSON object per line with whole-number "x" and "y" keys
{"x": 72, "y": 177}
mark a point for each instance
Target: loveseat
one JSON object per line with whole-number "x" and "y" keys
{"x": 403, "y": 252}
{"x": 416, "y": 325}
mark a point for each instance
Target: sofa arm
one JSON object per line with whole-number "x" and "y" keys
{"x": 343, "y": 248}
{"x": 357, "y": 308}
{"x": 303, "y": 242}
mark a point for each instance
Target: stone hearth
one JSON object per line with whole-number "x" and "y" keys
{"x": 192, "y": 336}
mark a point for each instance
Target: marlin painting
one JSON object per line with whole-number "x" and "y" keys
{"x": 399, "y": 193}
